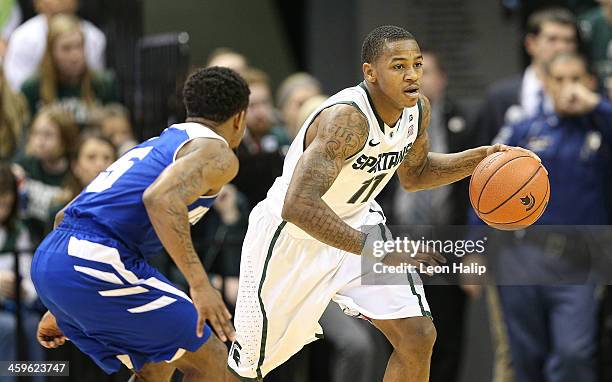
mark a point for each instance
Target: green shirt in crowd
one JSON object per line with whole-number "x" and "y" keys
{"x": 596, "y": 32}
{"x": 104, "y": 87}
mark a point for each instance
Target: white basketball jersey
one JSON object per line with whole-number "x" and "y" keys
{"x": 366, "y": 173}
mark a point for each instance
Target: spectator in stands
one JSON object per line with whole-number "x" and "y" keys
{"x": 27, "y": 43}
{"x": 14, "y": 237}
{"x": 549, "y": 31}
{"x": 116, "y": 126}
{"x": 13, "y": 118}
{"x": 228, "y": 58}
{"x": 64, "y": 75}
{"x": 556, "y": 338}
{"x": 449, "y": 131}
{"x": 10, "y": 18}
{"x": 265, "y": 143}
{"x": 52, "y": 138}
{"x": 291, "y": 94}
{"x": 94, "y": 153}
{"x": 596, "y": 28}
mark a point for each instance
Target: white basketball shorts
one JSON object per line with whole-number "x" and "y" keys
{"x": 286, "y": 282}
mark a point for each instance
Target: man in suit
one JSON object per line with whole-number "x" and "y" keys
{"x": 549, "y": 32}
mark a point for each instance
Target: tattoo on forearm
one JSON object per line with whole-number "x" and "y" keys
{"x": 339, "y": 136}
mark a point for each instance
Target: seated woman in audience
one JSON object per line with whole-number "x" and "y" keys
{"x": 116, "y": 126}
{"x": 93, "y": 155}
{"x": 14, "y": 237}
{"x": 53, "y": 135}
{"x": 64, "y": 76}
{"x": 13, "y": 117}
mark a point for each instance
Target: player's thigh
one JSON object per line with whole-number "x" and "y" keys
{"x": 154, "y": 372}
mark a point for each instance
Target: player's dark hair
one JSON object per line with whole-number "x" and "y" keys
{"x": 215, "y": 94}
{"x": 8, "y": 184}
{"x": 374, "y": 42}
{"x": 556, "y": 15}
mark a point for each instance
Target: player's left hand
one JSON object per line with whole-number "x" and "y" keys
{"x": 210, "y": 306}
{"x": 49, "y": 334}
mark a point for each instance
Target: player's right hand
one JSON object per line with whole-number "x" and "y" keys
{"x": 49, "y": 334}
{"x": 210, "y": 306}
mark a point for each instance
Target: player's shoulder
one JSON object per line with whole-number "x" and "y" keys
{"x": 344, "y": 115}
{"x": 218, "y": 156}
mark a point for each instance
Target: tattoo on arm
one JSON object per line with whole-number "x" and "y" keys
{"x": 196, "y": 172}
{"x": 422, "y": 169}
{"x": 341, "y": 133}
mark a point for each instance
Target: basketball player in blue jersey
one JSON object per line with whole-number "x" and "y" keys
{"x": 304, "y": 241}
{"x": 92, "y": 273}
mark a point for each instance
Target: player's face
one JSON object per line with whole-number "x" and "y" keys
{"x": 563, "y": 74}
{"x": 69, "y": 54}
{"x": 398, "y": 72}
{"x": 45, "y": 141}
{"x": 554, "y": 38}
{"x": 94, "y": 157}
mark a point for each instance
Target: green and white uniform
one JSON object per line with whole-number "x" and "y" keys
{"x": 287, "y": 278}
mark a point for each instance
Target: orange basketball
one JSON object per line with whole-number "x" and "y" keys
{"x": 509, "y": 190}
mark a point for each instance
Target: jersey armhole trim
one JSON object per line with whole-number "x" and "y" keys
{"x": 350, "y": 103}
{"x": 420, "y": 106}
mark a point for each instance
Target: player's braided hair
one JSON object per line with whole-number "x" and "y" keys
{"x": 215, "y": 93}
{"x": 375, "y": 41}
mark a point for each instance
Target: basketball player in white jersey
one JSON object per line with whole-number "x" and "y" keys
{"x": 304, "y": 242}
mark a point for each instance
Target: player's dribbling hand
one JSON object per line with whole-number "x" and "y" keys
{"x": 210, "y": 306}
{"x": 49, "y": 334}
{"x": 501, "y": 147}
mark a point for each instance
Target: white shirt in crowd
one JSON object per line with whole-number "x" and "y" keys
{"x": 27, "y": 45}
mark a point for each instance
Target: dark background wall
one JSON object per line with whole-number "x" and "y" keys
{"x": 253, "y": 28}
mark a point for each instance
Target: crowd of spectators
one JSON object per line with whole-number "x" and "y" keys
{"x": 62, "y": 123}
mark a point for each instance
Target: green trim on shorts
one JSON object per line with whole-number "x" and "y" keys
{"x": 412, "y": 288}
{"x": 414, "y": 292}
{"x": 264, "y": 329}
{"x": 240, "y": 377}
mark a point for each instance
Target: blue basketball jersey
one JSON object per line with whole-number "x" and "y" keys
{"x": 113, "y": 200}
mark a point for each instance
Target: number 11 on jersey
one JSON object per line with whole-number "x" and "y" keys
{"x": 371, "y": 183}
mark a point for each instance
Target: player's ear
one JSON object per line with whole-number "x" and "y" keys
{"x": 239, "y": 119}
{"x": 369, "y": 73}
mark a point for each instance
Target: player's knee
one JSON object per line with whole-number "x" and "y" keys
{"x": 217, "y": 350}
{"x": 417, "y": 334}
